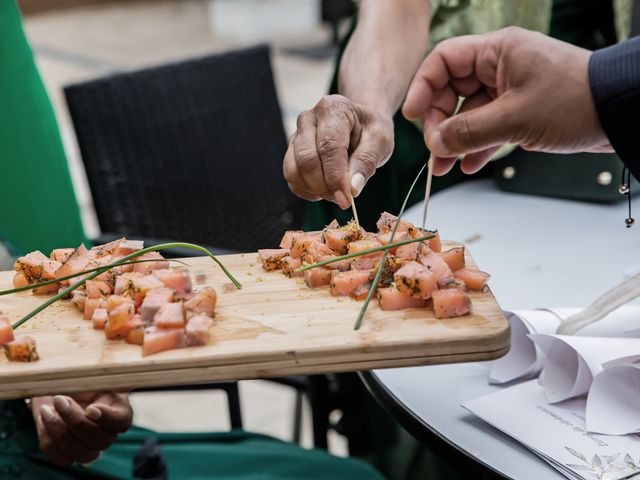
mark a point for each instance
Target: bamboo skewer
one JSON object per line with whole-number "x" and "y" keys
{"x": 355, "y": 212}
{"x": 427, "y": 192}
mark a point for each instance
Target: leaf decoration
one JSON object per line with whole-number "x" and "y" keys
{"x": 577, "y": 454}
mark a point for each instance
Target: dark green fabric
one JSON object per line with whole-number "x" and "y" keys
{"x": 39, "y": 208}
{"x": 236, "y": 455}
{"x": 586, "y": 23}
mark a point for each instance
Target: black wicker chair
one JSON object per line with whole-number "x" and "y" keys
{"x": 193, "y": 151}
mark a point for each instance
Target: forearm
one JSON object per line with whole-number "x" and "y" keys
{"x": 383, "y": 54}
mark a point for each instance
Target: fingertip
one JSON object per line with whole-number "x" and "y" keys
{"x": 47, "y": 414}
{"x": 62, "y": 403}
{"x": 93, "y": 413}
{"x": 357, "y": 184}
{"x": 341, "y": 199}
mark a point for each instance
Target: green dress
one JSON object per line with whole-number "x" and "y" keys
{"x": 40, "y": 212}
{"x": 39, "y": 207}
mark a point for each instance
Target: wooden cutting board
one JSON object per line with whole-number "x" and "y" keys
{"x": 274, "y": 326}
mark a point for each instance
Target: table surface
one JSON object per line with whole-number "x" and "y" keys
{"x": 541, "y": 252}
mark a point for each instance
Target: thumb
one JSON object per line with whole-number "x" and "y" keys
{"x": 373, "y": 151}
{"x": 490, "y": 125}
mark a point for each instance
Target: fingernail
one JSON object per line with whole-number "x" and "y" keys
{"x": 341, "y": 199}
{"x": 47, "y": 413}
{"x": 437, "y": 146}
{"x": 62, "y": 404}
{"x": 93, "y": 413}
{"x": 357, "y": 184}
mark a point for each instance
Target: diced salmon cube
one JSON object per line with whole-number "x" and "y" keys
{"x": 99, "y": 318}
{"x": 127, "y": 247}
{"x": 473, "y": 279}
{"x": 344, "y": 283}
{"x": 451, "y": 302}
{"x": 76, "y": 262}
{"x": 152, "y": 302}
{"x": 300, "y": 243}
{"x": 21, "y": 350}
{"x": 271, "y": 258}
{"x": 19, "y": 280}
{"x": 197, "y": 331}
{"x": 118, "y": 318}
{"x": 288, "y": 237}
{"x": 435, "y": 244}
{"x": 317, "y": 277}
{"x": 123, "y": 282}
{"x": 98, "y": 289}
{"x": 385, "y": 239}
{"x": 340, "y": 265}
{"x": 203, "y": 302}
{"x": 61, "y": 254}
{"x": 176, "y": 278}
{"x": 315, "y": 251}
{"x": 438, "y": 266}
{"x": 362, "y": 245}
{"x": 170, "y": 315}
{"x": 289, "y": 264}
{"x": 454, "y": 257}
{"x": 90, "y": 305}
{"x": 454, "y": 283}
{"x": 31, "y": 265}
{"x": 161, "y": 339}
{"x": 78, "y": 298}
{"x": 6, "y": 332}
{"x": 107, "y": 248}
{"x": 364, "y": 263}
{"x": 416, "y": 280}
{"x": 390, "y": 298}
{"x": 120, "y": 269}
{"x": 49, "y": 269}
{"x": 135, "y": 336}
{"x": 115, "y": 301}
{"x": 132, "y": 331}
{"x": 47, "y": 289}
{"x": 338, "y": 239}
{"x": 147, "y": 267}
{"x": 412, "y": 251}
{"x": 103, "y": 261}
{"x": 139, "y": 286}
{"x": 387, "y": 222}
{"x": 361, "y": 292}
{"x": 332, "y": 224}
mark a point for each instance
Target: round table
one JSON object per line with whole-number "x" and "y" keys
{"x": 541, "y": 252}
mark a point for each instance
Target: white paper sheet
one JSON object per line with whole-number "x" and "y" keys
{"x": 525, "y": 361}
{"x": 613, "y": 404}
{"x": 571, "y": 362}
{"x": 557, "y": 433}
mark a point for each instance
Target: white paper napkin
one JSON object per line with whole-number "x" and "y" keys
{"x": 525, "y": 360}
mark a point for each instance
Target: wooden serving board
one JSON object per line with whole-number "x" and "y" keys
{"x": 274, "y": 326}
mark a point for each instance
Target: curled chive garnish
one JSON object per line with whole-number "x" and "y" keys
{"x": 122, "y": 261}
{"x": 376, "y": 279}
{"x": 381, "y": 248}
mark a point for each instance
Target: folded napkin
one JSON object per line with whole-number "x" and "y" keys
{"x": 526, "y": 359}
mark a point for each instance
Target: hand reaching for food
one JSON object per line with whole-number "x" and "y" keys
{"x": 337, "y": 147}
{"x": 77, "y": 428}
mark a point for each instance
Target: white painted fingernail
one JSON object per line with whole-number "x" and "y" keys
{"x": 62, "y": 404}
{"x": 357, "y": 184}
{"x": 94, "y": 413}
{"x": 47, "y": 413}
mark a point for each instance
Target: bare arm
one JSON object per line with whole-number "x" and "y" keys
{"x": 341, "y": 141}
{"x": 384, "y": 52}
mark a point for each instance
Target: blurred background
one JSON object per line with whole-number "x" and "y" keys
{"x": 80, "y": 40}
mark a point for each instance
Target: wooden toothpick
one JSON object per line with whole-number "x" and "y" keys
{"x": 427, "y": 192}
{"x": 355, "y": 212}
